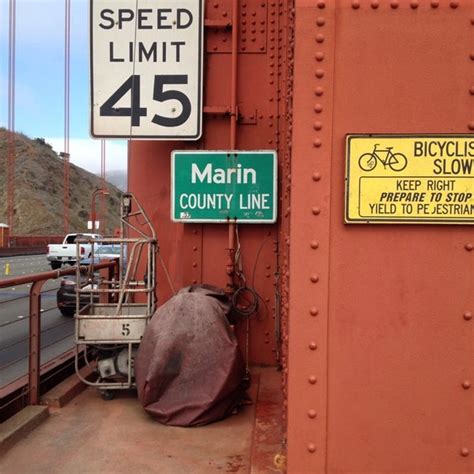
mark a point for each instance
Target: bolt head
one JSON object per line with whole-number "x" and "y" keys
{"x": 319, "y": 91}
{"x": 311, "y": 448}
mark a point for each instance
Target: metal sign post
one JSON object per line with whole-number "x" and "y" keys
{"x": 146, "y": 69}
{"x": 223, "y": 186}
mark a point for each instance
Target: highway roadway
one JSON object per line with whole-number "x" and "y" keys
{"x": 57, "y": 331}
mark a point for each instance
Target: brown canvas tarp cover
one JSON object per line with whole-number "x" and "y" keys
{"x": 189, "y": 369}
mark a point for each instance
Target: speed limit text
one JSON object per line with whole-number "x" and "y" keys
{"x": 146, "y": 19}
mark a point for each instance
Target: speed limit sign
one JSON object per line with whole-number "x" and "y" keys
{"x": 146, "y": 68}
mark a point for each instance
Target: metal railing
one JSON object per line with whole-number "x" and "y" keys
{"x": 37, "y": 281}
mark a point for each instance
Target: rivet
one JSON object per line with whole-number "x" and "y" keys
{"x": 319, "y": 73}
{"x": 195, "y": 248}
{"x": 469, "y": 246}
{"x": 464, "y": 452}
{"x": 195, "y": 264}
{"x": 318, "y": 108}
{"x": 312, "y": 379}
{"x": 355, "y": 4}
{"x": 319, "y": 56}
{"x": 311, "y": 448}
{"x": 472, "y": 21}
{"x": 470, "y": 125}
{"x": 454, "y": 4}
{"x": 466, "y": 384}
{"x": 318, "y": 125}
{"x": 321, "y": 4}
{"x": 414, "y": 4}
{"x": 320, "y": 38}
{"x": 316, "y": 176}
{"x": 317, "y": 143}
{"x": 374, "y": 4}
{"x": 467, "y": 315}
{"x": 312, "y": 413}
{"x": 434, "y": 4}
{"x": 314, "y": 244}
{"x": 313, "y": 311}
{"x": 394, "y": 4}
{"x": 315, "y": 210}
{"x": 313, "y": 346}
{"x": 319, "y": 91}
{"x": 471, "y": 90}
{"x": 194, "y": 282}
{"x": 472, "y": 56}
{"x": 320, "y": 21}
{"x": 314, "y": 278}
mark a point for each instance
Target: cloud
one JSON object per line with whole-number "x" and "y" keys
{"x": 86, "y": 153}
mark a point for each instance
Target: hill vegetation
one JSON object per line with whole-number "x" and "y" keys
{"x": 39, "y": 191}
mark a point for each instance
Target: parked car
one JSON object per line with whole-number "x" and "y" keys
{"x": 66, "y": 295}
{"x": 66, "y": 252}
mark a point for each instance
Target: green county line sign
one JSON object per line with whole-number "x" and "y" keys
{"x": 223, "y": 186}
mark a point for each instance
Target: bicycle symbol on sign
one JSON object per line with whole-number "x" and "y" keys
{"x": 395, "y": 161}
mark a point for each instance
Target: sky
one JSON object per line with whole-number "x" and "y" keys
{"x": 39, "y": 97}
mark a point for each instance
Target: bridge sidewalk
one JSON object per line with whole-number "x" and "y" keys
{"x": 90, "y": 435}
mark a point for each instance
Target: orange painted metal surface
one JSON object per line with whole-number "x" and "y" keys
{"x": 372, "y": 324}
{"x": 393, "y": 340}
{"x": 197, "y": 253}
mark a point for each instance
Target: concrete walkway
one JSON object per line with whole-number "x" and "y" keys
{"x": 90, "y": 435}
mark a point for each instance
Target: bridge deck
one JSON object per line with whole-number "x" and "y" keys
{"x": 91, "y": 435}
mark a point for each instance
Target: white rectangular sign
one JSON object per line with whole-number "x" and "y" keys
{"x": 146, "y": 68}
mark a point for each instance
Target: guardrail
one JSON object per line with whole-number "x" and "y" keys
{"x": 37, "y": 280}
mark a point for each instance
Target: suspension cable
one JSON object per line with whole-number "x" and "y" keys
{"x": 11, "y": 114}
{"x": 67, "y": 81}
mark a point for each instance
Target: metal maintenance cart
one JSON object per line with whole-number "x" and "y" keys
{"x": 113, "y": 308}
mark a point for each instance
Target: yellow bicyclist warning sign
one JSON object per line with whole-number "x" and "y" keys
{"x": 410, "y": 179}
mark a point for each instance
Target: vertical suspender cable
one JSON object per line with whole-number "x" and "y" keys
{"x": 11, "y": 115}
{"x": 103, "y": 185}
{"x": 67, "y": 81}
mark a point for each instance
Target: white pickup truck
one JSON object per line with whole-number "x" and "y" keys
{"x": 66, "y": 252}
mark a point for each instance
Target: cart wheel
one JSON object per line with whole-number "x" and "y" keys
{"x": 107, "y": 394}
